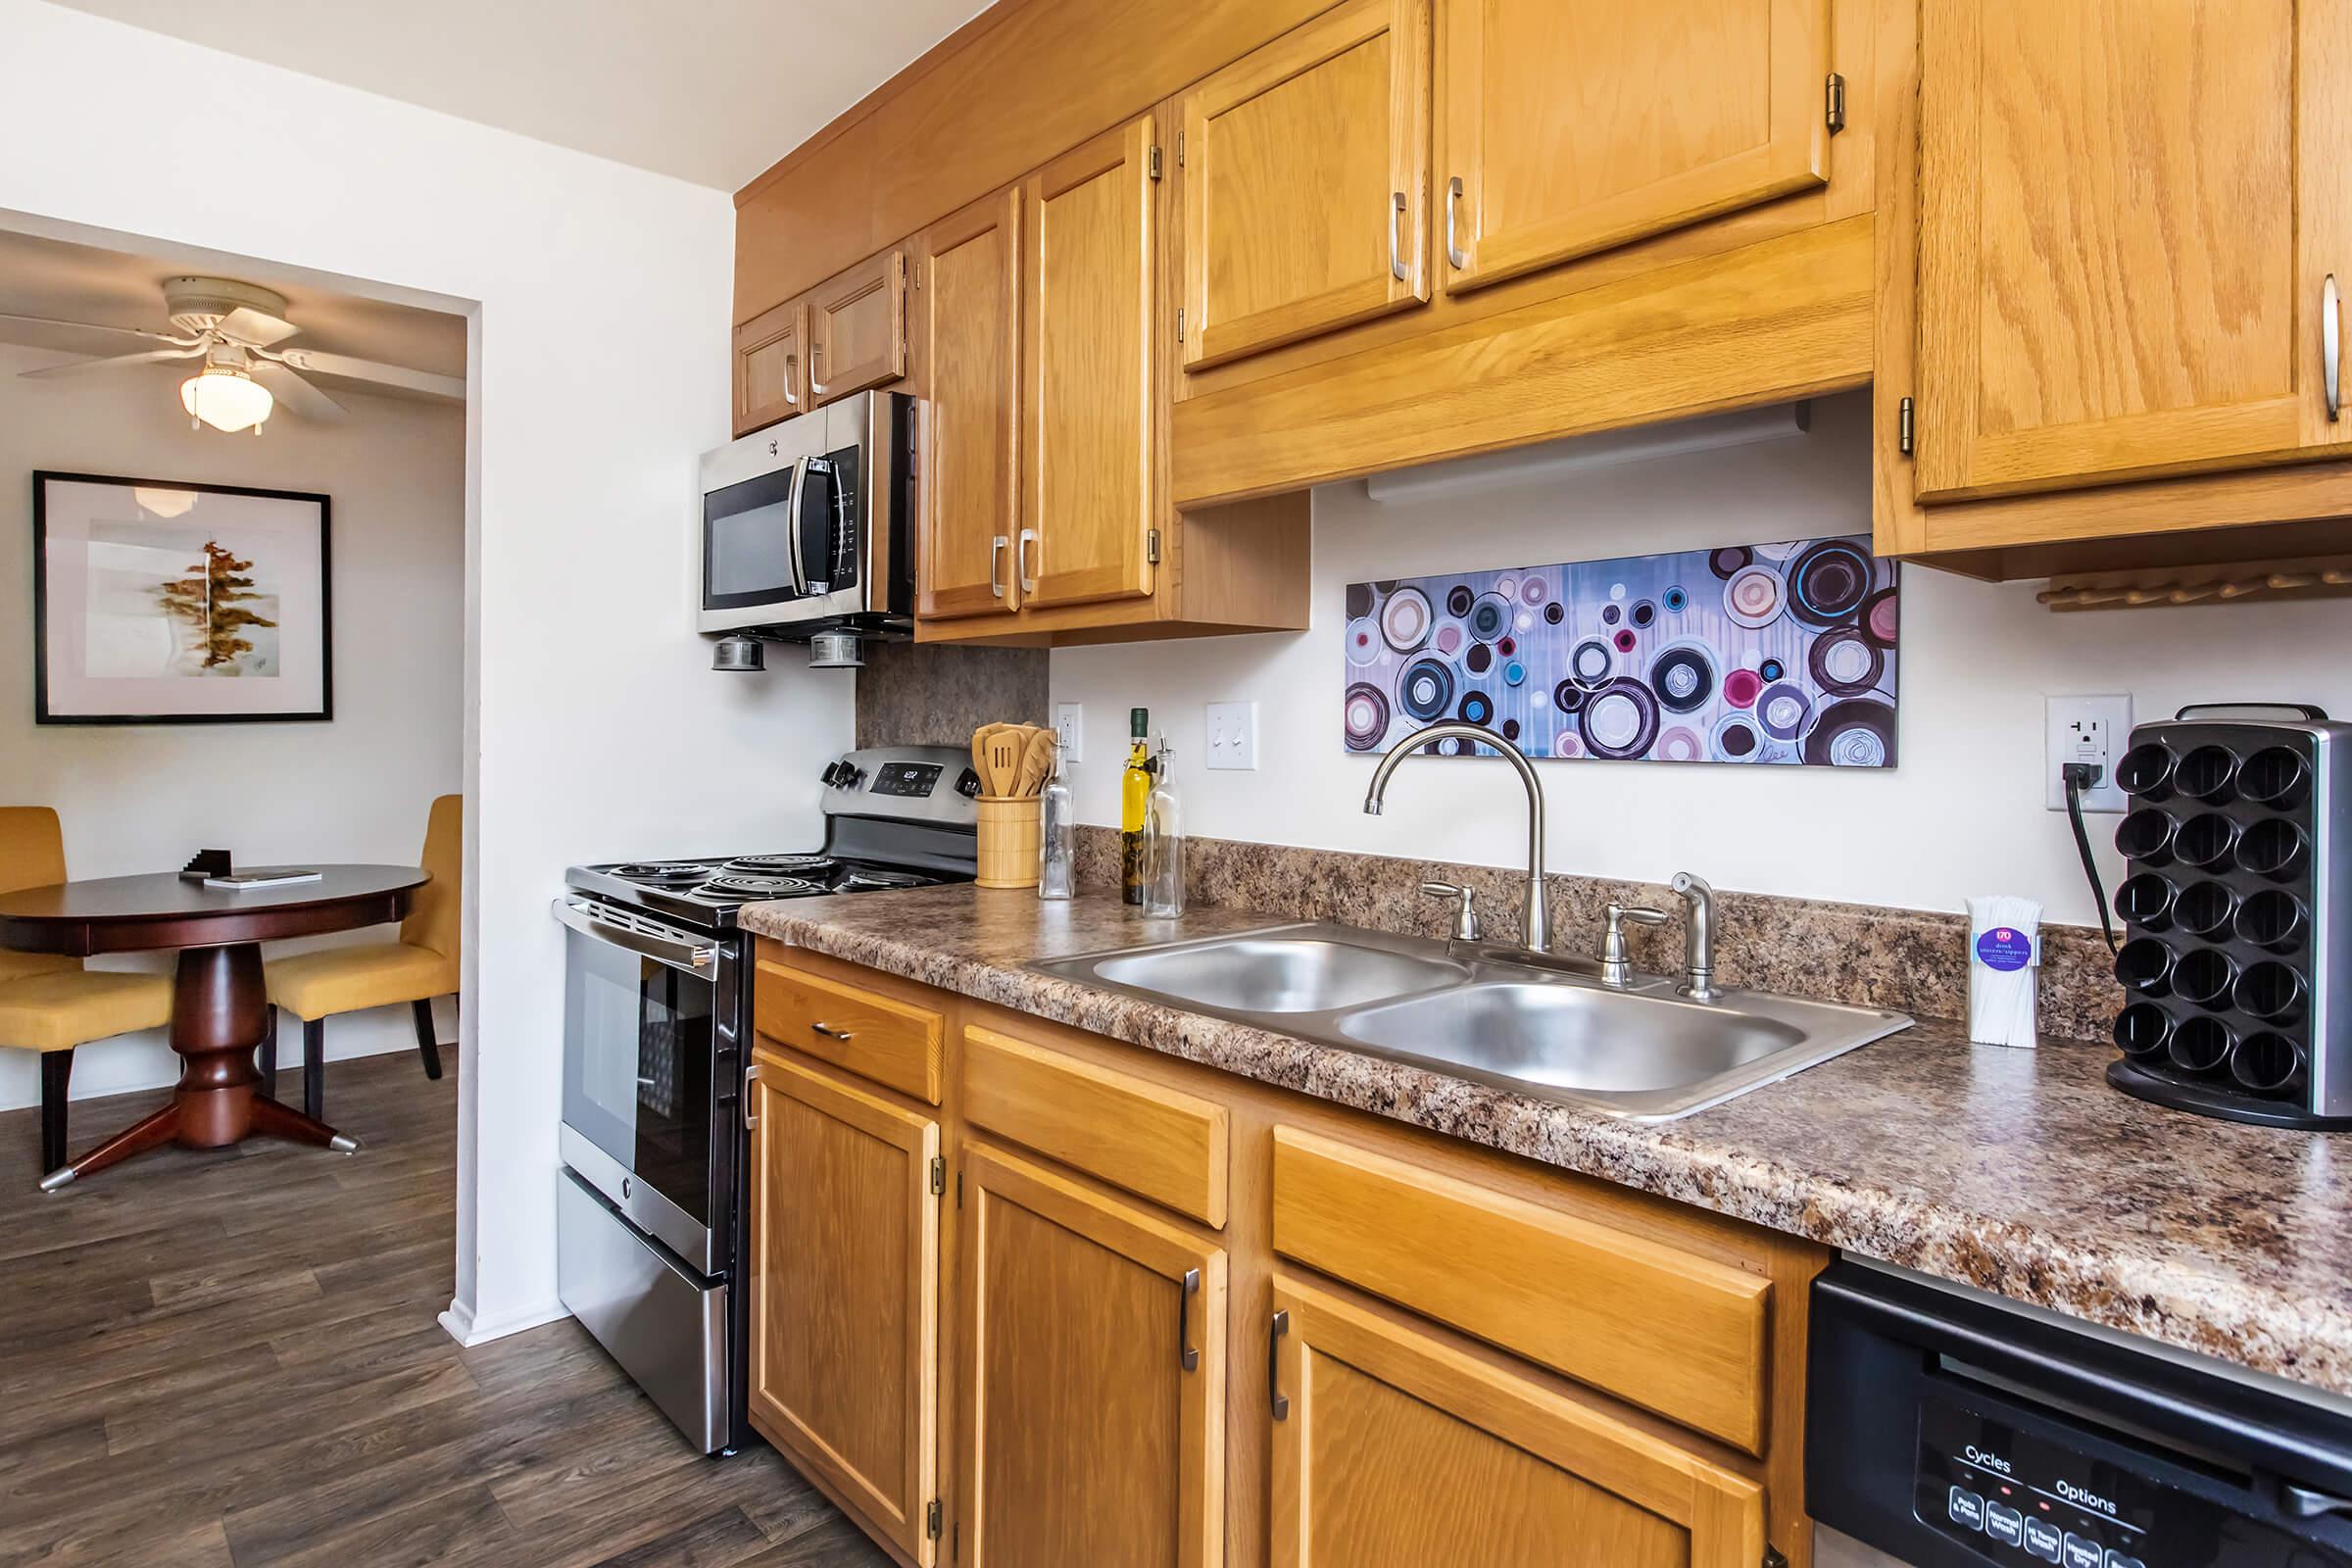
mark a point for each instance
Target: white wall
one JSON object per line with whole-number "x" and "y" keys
{"x": 1963, "y": 813}
{"x": 143, "y": 799}
{"x": 598, "y": 371}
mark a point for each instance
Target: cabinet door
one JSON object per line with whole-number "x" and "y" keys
{"x": 970, "y": 299}
{"x": 1085, "y": 480}
{"x": 772, "y": 370}
{"x": 2128, "y": 219}
{"x": 1307, "y": 182}
{"x": 1392, "y": 1449}
{"x": 1577, "y": 124}
{"x": 1095, "y": 1378}
{"x": 845, "y": 1292}
{"x": 857, "y": 328}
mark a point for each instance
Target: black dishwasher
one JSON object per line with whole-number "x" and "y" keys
{"x": 1951, "y": 1430}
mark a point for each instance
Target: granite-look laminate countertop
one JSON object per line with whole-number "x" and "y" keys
{"x": 2017, "y": 1171}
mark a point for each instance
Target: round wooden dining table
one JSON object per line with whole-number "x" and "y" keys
{"x": 219, "y": 1001}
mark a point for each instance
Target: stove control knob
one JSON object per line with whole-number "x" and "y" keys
{"x": 968, "y": 786}
{"x": 840, "y": 775}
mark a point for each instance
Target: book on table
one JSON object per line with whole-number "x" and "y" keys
{"x": 245, "y": 881}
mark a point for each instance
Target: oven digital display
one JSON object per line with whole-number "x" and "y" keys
{"x": 2016, "y": 1496}
{"x": 908, "y": 780}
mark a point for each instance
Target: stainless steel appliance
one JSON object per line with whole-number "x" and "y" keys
{"x": 2239, "y": 959}
{"x": 808, "y": 529}
{"x": 657, "y": 1029}
{"x": 1953, "y": 1430}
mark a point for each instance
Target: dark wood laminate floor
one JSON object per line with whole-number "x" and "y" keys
{"x": 230, "y": 1360}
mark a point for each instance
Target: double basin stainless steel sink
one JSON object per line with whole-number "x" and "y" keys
{"x": 1544, "y": 1026}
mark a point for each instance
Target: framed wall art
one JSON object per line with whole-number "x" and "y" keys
{"x": 1772, "y": 653}
{"x": 160, "y": 602}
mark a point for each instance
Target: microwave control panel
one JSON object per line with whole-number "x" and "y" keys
{"x": 2018, "y": 1497}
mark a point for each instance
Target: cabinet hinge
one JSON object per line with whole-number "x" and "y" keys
{"x": 1179, "y": 323}
{"x": 1152, "y": 547}
{"x": 1151, "y": 162}
{"x": 1905, "y": 431}
{"x": 931, "y": 1520}
{"x": 1836, "y": 113}
{"x": 1774, "y": 1559}
{"x": 939, "y": 1174}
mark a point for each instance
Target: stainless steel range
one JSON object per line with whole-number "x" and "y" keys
{"x": 657, "y": 1028}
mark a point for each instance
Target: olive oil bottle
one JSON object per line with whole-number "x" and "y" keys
{"x": 1135, "y": 794}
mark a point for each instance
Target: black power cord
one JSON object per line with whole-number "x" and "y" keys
{"x": 2080, "y": 776}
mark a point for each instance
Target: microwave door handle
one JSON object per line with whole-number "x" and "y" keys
{"x": 675, "y": 952}
{"x": 791, "y": 527}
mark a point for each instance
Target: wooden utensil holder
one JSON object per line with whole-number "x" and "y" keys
{"x": 1010, "y": 827}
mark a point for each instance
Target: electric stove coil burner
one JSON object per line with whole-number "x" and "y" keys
{"x": 864, "y": 878}
{"x": 735, "y": 885}
{"x": 779, "y": 864}
{"x": 665, "y": 873}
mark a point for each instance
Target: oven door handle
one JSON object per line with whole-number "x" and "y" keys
{"x": 676, "y": 952}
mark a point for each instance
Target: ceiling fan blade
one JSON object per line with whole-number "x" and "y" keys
{"x": 255, "y": 328}
{"x": 305, "y": 399}
{"x": 78, "y": 367}
{"x": 56, "y": 333}
{"x": 441, "y": 386}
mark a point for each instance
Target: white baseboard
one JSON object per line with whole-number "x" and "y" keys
{"x": 468, "y": 1330}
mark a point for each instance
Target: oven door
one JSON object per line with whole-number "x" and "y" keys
{"x": 640, "y": 1056}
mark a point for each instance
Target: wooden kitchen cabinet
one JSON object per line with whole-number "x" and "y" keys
{"x": 1092, "y": 1349}
{"x": 1395, "y": 1450}
{"x": 857, "y": 328}
{"x": 1307, "y": 182}
{"x": 1089, "y": 365}
{"x": 1573, "y": 125}
{"x": 969, "y": 268}
{"x": 845, "y": 1292}
{"x": 771, "y": 367}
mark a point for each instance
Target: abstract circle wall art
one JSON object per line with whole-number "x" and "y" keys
{"x": 1776, "y": 653}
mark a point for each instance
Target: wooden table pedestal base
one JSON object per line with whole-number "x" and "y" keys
{"x": 220, "y": 1009}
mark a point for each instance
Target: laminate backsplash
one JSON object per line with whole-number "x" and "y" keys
{"x": 926, "y": 694}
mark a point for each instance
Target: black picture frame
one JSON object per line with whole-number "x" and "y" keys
{"x": 42, "y": 478}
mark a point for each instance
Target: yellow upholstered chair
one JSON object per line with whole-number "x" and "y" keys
{"x": 51, "y": 1003}
{"x": 421, "y": 965}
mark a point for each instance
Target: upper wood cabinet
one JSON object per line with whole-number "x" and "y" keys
{"x": 1087, "y": 497}
{"x": 1573, "y": 125}
{"x": 845, "y": 1292}
{"x": 2129, "y": 219}
{"x": 857, "y": 328}
{"x": 1307, "y": 182}
{"x": 1093, "y": 1347}
{"x": 771, "y": 367}
{"x": 969, "y": 269}
{"x": 1393, "y": 1449}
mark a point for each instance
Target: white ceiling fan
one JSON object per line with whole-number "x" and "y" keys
{"x": 234, "y": 329}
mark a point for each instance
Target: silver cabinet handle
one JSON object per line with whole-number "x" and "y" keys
{"x": 1397, "y": 267}
{"x": 2331, "y": 348}
{"x": 1274, "y": 1395}
{"x": 841, "y": 1035}
{"x": 995, "y": 560}
{"x": 814, "y": 385}
{"x": 1186, "y": 1356}
{"x": 1020, "y": 560}
{"x": 751, "y": 1076}
{"x": 790, "y": 359}
{"x": 1453, "y": 200}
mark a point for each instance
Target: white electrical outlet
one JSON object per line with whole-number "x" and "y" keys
{"x": 1232, "y": 735}
{"x": 1070, "y": 729}
{"x": 2085, "y": 729}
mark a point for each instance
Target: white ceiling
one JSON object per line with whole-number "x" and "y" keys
{"x": 712, "y": 91}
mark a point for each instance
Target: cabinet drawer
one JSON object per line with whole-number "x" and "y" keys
{"x": 1659, "y": 1327}
{"x": 894, "y": 1042}
{"x": 1156, "y": 1141}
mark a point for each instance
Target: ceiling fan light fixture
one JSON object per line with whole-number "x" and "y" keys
{"x": 225, "y": 398}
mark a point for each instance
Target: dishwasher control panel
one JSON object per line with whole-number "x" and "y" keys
{"x": 2019, "y": 1498}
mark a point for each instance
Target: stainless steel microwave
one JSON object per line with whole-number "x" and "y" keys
{"x": 808, "y": 525}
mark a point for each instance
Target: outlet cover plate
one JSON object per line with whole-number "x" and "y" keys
{"x": 1070, "y": 726}
{"x": 1230, "y": 736}
{"x": 2092, "y": 729}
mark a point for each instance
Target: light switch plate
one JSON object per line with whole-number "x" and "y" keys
{"x": 1069, "y": 726}
{"x": 2085, "y": 729}
{"x": 1231, "y": 733}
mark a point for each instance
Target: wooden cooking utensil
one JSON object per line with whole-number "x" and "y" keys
{"x": 1036, "y": 762}
{"x": 980, "y": 755}
{"x": 1003, "y": 770}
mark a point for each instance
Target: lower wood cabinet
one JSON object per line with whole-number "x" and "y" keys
{"x": 845, "y": 1292}
{"x": 1094, "y": 1349}
{"x": 1393, "y": 1449}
